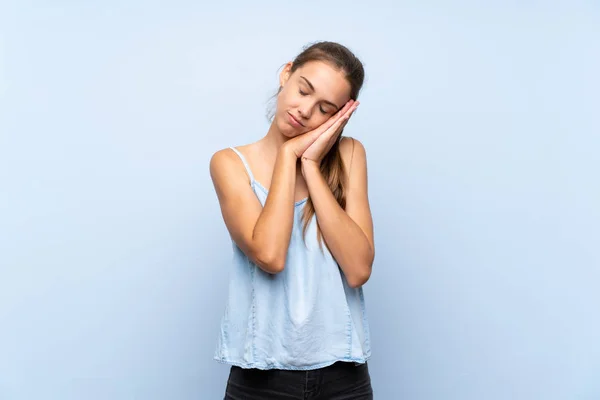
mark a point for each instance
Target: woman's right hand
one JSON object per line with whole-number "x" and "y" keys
{"x": 300, "y": 143}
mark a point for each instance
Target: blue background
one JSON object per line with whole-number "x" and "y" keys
{"x": 482, "y": 128}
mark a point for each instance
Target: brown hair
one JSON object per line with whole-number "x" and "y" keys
{"x": 332, "y": 166}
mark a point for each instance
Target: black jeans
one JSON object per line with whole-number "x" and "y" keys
{"x": 340, "y": 381}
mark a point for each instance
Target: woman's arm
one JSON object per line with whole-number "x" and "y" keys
{"x": 262, "y": 233}
{"x": 348, "y": 233}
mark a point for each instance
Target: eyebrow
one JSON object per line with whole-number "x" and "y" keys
{"x": 313, "y": 89}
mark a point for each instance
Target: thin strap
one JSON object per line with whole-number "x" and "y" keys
{"x": 246, "y": 165}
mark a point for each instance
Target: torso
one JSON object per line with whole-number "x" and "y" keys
{"x": 302, "y": 318}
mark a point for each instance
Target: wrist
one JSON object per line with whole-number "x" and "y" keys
{"x": 309, "y": 167}
{"x": 310, "y": 163}
{"x": 288, "y": 153}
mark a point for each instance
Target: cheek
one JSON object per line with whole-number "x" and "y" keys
{"x": 318, "y": 118}
{"x": 283, "y": 99}
{"x": 286, "y": 92}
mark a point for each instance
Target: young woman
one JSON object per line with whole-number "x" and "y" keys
{"x": 296, "y": 206}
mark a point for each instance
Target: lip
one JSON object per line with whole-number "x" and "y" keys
{"x": 294, "y": 121}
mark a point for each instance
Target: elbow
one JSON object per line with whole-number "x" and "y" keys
{"x": 269, "y": 262}
{"x": 359, "y": 278}
{"x": 361, "y": 272}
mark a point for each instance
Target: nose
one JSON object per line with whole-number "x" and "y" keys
{"x": 304, "y": 110}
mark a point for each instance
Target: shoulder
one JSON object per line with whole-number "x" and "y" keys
{"x": 225, "y": 164}
{"x": 352, "y": 151}
{"x": 222, "y": 159}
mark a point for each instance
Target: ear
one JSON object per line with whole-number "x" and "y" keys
{"x": 285, "y": 73}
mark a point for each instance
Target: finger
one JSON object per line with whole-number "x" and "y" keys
{"x": 348, "y": 108}
{"x": 343, "y": 111}
{"x": 339, "y": 131}
{"x": 333, "y": 138}
{"x": 337, "y": 128}
{"x": 351, "y": 109}
{"x": 331, "y": 126}
{"x": 350, "y": 112}
{"x": 342, "y": 121}
{"x": 343, "y": 125}
{"x": 335, "y": 117}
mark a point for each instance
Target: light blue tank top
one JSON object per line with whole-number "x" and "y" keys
{"x": 303, "y": 318}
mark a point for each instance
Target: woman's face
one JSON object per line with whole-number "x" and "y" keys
{"x": 310, "y": 96}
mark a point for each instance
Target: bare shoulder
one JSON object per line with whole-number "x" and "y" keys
{"x": 226, "y": 166}
{"x": 353, "y": 152}
{"x": 222, "y": 163}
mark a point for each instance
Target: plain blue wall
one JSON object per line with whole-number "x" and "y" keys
{"x": 481, "y": 123}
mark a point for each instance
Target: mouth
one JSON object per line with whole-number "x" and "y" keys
{"x": 294, "y": 121}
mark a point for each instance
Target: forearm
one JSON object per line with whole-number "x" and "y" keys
{"x": 271, "y": 234}
{"x": 347, "y": 242}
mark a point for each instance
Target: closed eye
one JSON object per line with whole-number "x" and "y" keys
{"x": 304, "y": 94}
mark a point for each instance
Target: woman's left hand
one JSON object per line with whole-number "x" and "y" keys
{"x": 323, "y": 144}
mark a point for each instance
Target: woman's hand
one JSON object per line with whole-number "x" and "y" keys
{"x": 299, "y": 145}
{"x": 332, "y": 130}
